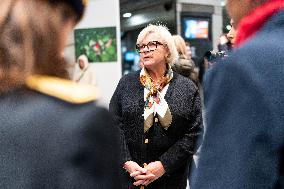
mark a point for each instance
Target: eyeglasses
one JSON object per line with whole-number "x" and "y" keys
{"x": 151, "y": 46}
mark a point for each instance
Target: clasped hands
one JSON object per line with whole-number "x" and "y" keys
{"x": 144, "y": 175}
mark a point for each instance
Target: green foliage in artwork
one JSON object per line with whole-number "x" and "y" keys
{"x": 98, "y": 44}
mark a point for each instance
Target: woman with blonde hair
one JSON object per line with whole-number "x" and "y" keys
{"x": 180, "y": 45}
{"x": 159, "y": 114}
{"x": 184, "y": 65}
{"x": 49, "y": 126}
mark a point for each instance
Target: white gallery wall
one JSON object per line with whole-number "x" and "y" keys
{"x": 100, "y": 13}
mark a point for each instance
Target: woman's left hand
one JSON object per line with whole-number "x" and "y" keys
{"x": 156, "y": 168}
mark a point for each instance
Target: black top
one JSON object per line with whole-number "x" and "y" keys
{"x": 173, "y": 147}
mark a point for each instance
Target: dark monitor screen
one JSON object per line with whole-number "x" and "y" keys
{"x": 195, "y": 28}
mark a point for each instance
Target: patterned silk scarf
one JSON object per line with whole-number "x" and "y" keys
{"x": 155, "y": 107}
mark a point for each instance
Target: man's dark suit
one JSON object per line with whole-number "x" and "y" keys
{"x": 48, "y": 142}
{"x": 244, "y": 97}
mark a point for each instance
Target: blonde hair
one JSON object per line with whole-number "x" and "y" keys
{"x": 180, "y": 45}
{"x": 165, "y": 37}
{"x": 30, "y": 40}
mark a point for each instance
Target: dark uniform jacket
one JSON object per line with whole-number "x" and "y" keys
{"x": 52, "y": 136}
{"x": 173, "y": 147}
{"x": 243, "y": 144}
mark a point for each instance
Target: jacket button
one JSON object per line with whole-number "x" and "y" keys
{"x": 146, "y": 141}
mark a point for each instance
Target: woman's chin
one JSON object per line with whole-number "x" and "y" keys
{"x": 148, "y": 63}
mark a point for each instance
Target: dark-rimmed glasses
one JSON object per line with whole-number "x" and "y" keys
{"x": 151, "y": 46}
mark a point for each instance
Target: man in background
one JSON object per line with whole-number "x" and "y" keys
{"x": 244, "y": 97}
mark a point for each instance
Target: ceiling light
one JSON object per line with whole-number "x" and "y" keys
{"x": 137, "y": 20}
{"x": 127, "y": 15}
{"x": 228, "y": 27}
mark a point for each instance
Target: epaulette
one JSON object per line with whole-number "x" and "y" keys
{"x": 63, "y": 89}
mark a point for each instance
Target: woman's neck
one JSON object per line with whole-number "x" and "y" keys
{"x": 157, "y": 73}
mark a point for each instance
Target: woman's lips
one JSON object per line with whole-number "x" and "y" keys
{"x": 146, "y": 57}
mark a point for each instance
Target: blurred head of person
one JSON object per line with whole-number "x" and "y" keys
{"x": 181, "y": 46}
{"x": 207, "y": 62}
{"x": 224, "y": 44}
{"x": 83, "y": 62}
{"x": 188, "y": 50}
{"x": 238, "y": 9}
{"x": 156, "y": 48}
{"x": 223, "y": 39}
{"x": 32, "y": 38}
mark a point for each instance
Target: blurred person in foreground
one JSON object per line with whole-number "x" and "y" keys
{"x": 83, "y": 72}
{"x": 51, "y": 133}
{"x": 244, "y": 97}
{"x": 159, "y": 113}
{"x": 184, "y": 65}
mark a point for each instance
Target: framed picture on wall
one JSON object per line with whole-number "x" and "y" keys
{"x": 98, "y": 44}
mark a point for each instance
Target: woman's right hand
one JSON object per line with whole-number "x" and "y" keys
{"x": 134, "y": 170}
{"x": 133, "y": 167}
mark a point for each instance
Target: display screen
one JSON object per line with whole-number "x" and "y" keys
{"x": 195, "y": 28}
{"x": 131, "y": 56}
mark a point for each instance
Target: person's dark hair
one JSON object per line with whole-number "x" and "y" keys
{"x": 77, "y": 6}
{"x": 30, "y": 40}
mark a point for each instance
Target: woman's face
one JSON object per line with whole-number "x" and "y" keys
{"x": 152, "y": 52}
{"x": 81, "y": 64}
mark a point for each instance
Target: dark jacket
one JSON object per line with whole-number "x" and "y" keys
{"x": 49, "y": 143}
{"x": 244, "y": 96}
{"x": 173, "y": 147}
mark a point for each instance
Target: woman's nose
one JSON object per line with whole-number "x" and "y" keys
{"x": 144, "y": 49}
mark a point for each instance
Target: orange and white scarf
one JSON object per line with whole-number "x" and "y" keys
{"x": 155, "y": 107}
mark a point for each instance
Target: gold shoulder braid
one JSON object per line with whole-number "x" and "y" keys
{"x": 154, "y": 102}
{"x": 63, "y": 89}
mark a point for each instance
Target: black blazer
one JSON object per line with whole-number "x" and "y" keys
{"x": 49, "y": 143}
{"x": 173, "y": 147}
